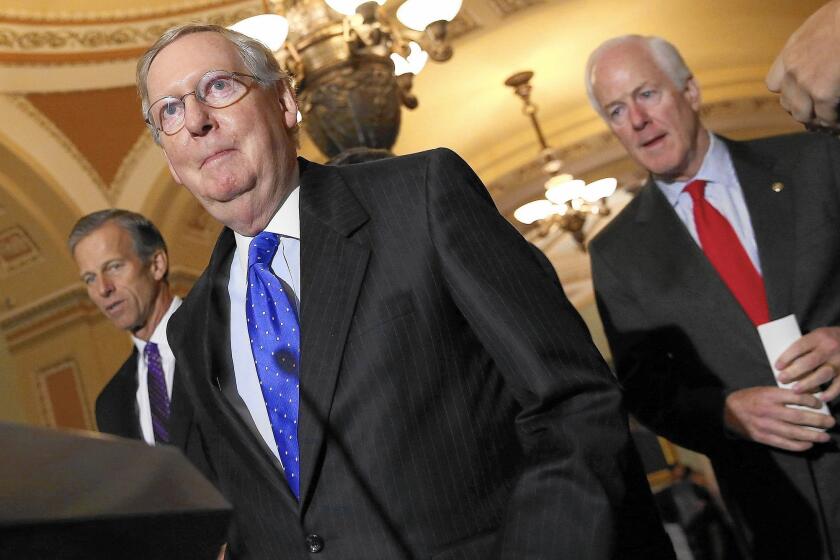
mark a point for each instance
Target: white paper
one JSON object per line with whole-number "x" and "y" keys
{"x": 777, "y": 336}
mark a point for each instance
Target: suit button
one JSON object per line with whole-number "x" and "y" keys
{"x": 314, "y": 543}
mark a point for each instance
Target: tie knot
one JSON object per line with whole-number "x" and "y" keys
{"x": 696, "y": 189}
{"x": 151, "y": 349}
{"x": 262, "y": 248}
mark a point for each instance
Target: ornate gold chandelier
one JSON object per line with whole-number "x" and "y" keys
{"x": 568, "y": 202}
{"x": 354, "y": 62}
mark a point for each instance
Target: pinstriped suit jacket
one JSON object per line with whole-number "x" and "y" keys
{"x": 452, "y": 403}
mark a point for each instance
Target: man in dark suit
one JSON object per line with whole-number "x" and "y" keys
{"x": 378, "y": 363}
{"x": 124, "y": 264}
{"x": 725, "y": 236}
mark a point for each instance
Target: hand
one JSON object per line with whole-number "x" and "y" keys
{"x": 222, "y": 552}
{"x": 813, "y": 361}
{"x": 807, "y": 70}
{"x": 760, "y": 414}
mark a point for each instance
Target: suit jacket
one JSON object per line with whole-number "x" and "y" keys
{"x": 452, "y": 404}
{"x": 681, "y": 342}
{"x": 117, "y": 413}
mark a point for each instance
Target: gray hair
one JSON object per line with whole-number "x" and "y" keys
{"x": 145, "y": 235}
{"x": 665, "y": 55}
{"x": 256, "y": 57}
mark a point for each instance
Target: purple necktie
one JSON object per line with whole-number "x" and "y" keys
{"x": 158, "y": 397}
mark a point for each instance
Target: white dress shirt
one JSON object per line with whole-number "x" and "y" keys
{"x": 168, "y": 361}
{"x": 723, "y": 191}
{"x": 286, "y": 265}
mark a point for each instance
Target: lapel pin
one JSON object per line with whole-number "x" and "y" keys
{"x": 777, "y": 186}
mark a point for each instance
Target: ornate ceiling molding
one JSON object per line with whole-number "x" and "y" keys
{"x": 17, "y": 250}
{"x": 124, "y": 14}
{"x": 35, "y": 139}
{"x": 61, "y": 42}
{"x": 138, "y": 173}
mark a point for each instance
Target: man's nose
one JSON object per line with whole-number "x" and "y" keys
{"x": 198, "y": 118}
{"x": 638, "y": 116}
{"x": 104, "y": 287}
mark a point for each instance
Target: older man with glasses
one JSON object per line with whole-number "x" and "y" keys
{"x": 378, "y": 363}
{"x": 725, "y": 237}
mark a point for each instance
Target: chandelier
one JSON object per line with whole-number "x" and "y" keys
{"x": 353, "y": 62}
{"x": 568, "y": 202}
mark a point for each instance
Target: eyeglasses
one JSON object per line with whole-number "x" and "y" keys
{"x": 216, "y": 88}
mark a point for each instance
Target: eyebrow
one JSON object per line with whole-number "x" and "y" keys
{"x": 633, "y": 93}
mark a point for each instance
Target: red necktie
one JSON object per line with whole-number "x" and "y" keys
{"x": 724, "y": 250}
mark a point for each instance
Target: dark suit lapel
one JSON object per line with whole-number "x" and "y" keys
{"x": 771, "y": 215}
{"x": 333, "y": 262}
{"x": 678, "y": 265}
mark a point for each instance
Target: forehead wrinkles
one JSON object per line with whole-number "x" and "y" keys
{"x": 178, "y": 67}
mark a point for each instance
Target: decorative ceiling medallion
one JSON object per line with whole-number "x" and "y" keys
{"x": 508, "y": 7}
{"x": 17, "y": 250}
{"x": 122, "y": 38}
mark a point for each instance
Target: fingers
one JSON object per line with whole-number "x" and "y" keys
{"x": 801, "y": 346}
{"x": 812, "y": 382}
{"x": 761, "y": 414}
{"x": 775, "y": 75}
{"x": 833, "y": 390}
{"x": 826, "y": 111}
{"x": 796, "y": 101}
{"x": 812, "y": 350}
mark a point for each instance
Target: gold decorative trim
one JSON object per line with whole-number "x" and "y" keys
{"x": 143, "y": 143}
{"x": 46, "y": 403}
{"x": 506, "y": 8}
{"x": 67, "y": 43}
{"x": 46, "y": 124}
{"x": 125, "y": 15}
{"x": 465, "y": 22}
{"x": 17, "y": 251}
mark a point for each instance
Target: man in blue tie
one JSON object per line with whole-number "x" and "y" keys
{"x": 124, "y": 265}
{"x": 379, "y": 365}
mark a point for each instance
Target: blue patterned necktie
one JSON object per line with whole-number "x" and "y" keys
{"x": 274, "y": 331}
{"x": 158, "y": 397}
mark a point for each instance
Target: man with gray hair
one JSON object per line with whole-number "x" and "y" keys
{"x": 123, "y": 262}
{"x": 725, "y": 236}
{"x": 380, "y": 366}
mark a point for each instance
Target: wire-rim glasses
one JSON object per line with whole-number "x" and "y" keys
{"x": 216, "y": 88}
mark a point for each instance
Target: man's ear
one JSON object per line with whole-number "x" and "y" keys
{"x": 289, "y": 104}
{"x": 172, "y": 171}
{"x": 692, "y": 93}
{"x": 159, "y": 264}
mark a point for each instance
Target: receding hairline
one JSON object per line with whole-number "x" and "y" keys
{"x": 639, "y": 45}
{"x": 207, "y": 32}
{"x": 660, "y": 52}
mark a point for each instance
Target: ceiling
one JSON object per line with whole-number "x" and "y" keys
{"x": 73, "y": 140}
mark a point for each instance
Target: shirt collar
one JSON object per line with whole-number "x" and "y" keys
{"x": 286, "y": 222}
{"x": 159, "y": 334}
{"x": 714, "y": 170}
